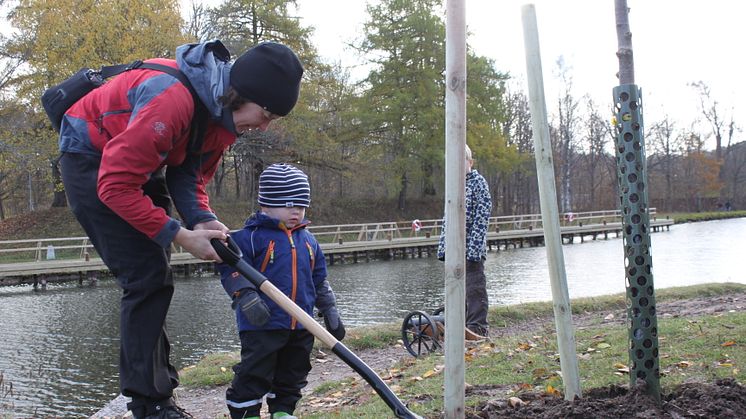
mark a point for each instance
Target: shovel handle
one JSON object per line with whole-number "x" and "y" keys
{"x": 231, "y": 254}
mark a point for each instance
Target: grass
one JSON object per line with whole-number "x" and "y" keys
{"x": 688, "y": 217}
{"x": 212, "y": 370}
{"x": 692, "y": 349}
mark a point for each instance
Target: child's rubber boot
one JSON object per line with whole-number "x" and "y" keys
{"x": 283, "y": 415}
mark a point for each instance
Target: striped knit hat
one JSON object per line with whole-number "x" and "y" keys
{"x": 284, "y": 185}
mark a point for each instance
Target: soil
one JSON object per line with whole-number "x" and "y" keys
{"x": 720, "y": 399}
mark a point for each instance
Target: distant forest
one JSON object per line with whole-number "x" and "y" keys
{"x": 380, "y": 139}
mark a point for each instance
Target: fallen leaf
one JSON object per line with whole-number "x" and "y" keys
{"x": 429, "y": 374}
{"x": 553, "y": 391}
{"x": 487, "y": 346}
{"x": 621, "y": 368}
{"x": 524, "y": 346}
{"x": 728, "y": 343}
{"x": 515, "y": 402}
{"x": 603, "y": 345}
{"x": 540, "y": 373}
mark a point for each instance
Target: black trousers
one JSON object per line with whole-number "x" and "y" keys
{"x": 273, "y": 363}
{"x": 477, "y": 303}
{"x": 142, "y": 270}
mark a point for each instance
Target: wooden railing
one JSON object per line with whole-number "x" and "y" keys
{"x": 12, "y": 251}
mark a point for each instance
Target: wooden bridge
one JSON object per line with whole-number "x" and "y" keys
{"x": 64, "y": 259}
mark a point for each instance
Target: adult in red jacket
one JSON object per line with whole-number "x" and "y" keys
{"x": 125, "y": 159}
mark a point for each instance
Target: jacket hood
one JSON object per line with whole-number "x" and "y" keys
{"x": 207, "y": 67}
{"x": 260, "y": 219}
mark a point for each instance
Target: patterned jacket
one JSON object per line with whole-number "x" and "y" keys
{"x": 291, "y": 259}
{"x": 478, "y": 209}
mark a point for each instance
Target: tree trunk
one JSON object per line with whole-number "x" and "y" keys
{"x": 237, "y": 174}
{"x": 403, "y": 191}
{"x": 30, "y": 188}
{"x": 624, "y": 40}
{"x": 59, "y": 200}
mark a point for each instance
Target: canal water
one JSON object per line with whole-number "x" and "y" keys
{"x": 59, "y": 347}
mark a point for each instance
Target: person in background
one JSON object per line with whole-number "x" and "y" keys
{"x": 126, "y": 158}
{"x": 478, "y": 208}
{"x": 275, "y": 348}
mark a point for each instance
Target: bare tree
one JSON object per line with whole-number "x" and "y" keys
{"x": 666, "y": 146}
{"x": 711, "y": 112}
{"x": 598, "y": 136}
{"x": 565, "y": 141}
{"x": 197, "y": 25}
{"x": 519, "y": 192}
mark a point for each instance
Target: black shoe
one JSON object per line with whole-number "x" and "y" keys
{"x": 170, "y": 412}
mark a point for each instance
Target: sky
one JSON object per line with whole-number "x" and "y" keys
{"x": 675, "y": 42}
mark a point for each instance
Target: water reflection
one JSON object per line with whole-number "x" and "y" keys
{"x": 60, "y": 347}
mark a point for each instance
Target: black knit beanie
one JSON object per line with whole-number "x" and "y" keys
{"x": 284, "y": 185}
{"x": 269, "y": 75}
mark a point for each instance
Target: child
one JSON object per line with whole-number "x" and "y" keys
{"x": 275, "y": 348}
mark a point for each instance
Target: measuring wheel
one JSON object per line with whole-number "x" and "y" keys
{"x": 420, "y": 333}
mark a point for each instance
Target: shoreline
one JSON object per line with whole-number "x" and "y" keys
{"x": 209, "y": 403}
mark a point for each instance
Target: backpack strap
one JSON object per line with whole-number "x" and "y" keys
{"x": 199, "y": 120}
{"x": 198, "y": 127}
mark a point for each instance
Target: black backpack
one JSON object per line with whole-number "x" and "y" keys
{"x": 58, "y": 99}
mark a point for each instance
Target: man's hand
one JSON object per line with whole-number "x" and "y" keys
{"x": 198, "y": 242}
{"x": 333, "y": 323}
{"x": 252, "y": 306}
{"x": 212, "y": 225}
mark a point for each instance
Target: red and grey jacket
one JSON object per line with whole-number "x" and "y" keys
{"x": 138, "y": 123}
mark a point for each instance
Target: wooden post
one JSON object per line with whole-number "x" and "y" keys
{"x": 455, "y": 208}
{"x": 549, "y": 211}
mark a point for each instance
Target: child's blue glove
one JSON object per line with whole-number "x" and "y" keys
{"x": 333, "y": 323}
{"x": 252, "y": 306}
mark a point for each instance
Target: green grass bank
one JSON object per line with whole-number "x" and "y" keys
{"x": 693, "y": 348}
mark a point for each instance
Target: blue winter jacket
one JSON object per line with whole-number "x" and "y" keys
{"x": 291, "y": 259}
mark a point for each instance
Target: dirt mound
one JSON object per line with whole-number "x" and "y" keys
{"x": 723, "y": 399}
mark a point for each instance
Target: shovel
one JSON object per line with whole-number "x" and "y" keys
{"x": 232, "y": 255}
